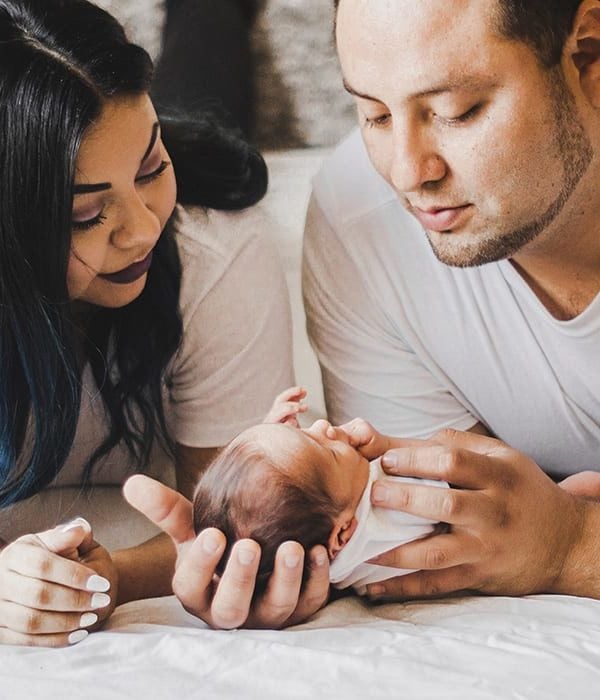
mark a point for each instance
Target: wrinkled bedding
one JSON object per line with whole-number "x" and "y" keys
{"x": 535, "y": 647}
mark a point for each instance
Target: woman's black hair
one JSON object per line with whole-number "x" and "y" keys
{"x": 60, "y": 60}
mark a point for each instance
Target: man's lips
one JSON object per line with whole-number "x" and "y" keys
{"x": 130, "y": 274}
{"x": 440, "y": 219}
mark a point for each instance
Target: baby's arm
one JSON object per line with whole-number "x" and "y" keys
{"x": 287, "y": 406}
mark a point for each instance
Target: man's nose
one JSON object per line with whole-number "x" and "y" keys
{"x": 414, "y": 160}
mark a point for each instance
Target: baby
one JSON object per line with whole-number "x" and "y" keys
{"x": 277, "y": 482}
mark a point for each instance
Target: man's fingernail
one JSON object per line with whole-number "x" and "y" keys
{"x": 77, "y": 636}
{"x": 97, "y": 583}
{"x": 291, "y": 560}
{"x": 210, "y": 543}
{"x": 388, "y": 460}
{"x": 88, "y": 619}
{"x": 376, "y": 589}
{"x": 320, "y": 558}
{"x": 380, "y": 494}
{"x": 246, "y": 556}
{"x": 99, "y": 600}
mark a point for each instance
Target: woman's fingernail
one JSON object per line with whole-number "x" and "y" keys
{"x": 380, "y": 494}
{"x": 100, "y": 600}
{"x": 77, "y": 636}
{"x": 246, "y": 556}
{"x": 210, "y": 543}
{"x": 78, "y": 522}
{"x": 291, "y": 560}
{"x": 97, "y": 583}
{"x": 88, "y": 619}
{"x": 376, "y": 589}
{"x": 388, "y": 460}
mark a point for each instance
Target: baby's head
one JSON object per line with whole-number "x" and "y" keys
{"x": 275, "y": 483}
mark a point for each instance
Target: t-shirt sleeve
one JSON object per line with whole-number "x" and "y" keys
{"x": 236, "y": 353}
{"x": 368, "y": 367}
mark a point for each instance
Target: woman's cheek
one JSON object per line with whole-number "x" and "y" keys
{"x": 79, "y": 276}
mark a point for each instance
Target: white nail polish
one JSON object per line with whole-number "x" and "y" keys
{"x": 97, "y": 583}
{"x": 100, "y": 600}
{"x": 88, "y": 619}
{"x": 77, "y": 636}
{"x": 78, "y": 522}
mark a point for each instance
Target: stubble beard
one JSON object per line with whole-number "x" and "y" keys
{"x": 575, "y": 152}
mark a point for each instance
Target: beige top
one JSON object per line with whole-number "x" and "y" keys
{"x": 234, "y": 358}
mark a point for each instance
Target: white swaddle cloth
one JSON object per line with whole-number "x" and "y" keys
{"x": 378, "y": 530}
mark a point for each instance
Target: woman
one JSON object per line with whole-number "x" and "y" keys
{"x": 130, "y": 329}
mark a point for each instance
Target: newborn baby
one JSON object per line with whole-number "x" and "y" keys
{"x": 277, "y": 482}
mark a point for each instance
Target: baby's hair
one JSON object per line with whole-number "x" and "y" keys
{"x": 246, "y": 494}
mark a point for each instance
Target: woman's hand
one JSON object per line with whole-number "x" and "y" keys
{"x": 287, "y": 406}
{"x": 55, "y": 586}
{"x": 225, "y": 603}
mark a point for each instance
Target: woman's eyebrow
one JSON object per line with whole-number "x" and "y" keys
{"x": 153, "y": 137}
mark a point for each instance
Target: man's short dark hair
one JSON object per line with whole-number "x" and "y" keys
{"x": 542, "y": 24}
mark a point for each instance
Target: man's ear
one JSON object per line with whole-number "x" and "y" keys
{"x": 341, "y": 533}
{"x": 586, "y": 49}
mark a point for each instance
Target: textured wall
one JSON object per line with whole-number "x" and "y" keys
{"x": 300, "y": 100}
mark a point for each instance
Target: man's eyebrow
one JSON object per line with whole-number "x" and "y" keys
{"x": 87, "y": 188}
{"x": 452, "y": 85}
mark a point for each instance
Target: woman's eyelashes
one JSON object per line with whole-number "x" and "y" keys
{"x": 153, "y": 174}
{"x": 86, "y": 224}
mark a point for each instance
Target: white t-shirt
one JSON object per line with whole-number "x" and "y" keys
{"x": 234, "y": 358}
{"x": 378, "y": 530}
{"x": 413, "y": 345}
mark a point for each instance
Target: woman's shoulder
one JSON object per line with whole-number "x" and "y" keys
{"x": 217, "y": 245}
{"x": 218, "y": 235}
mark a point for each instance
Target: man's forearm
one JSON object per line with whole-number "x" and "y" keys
{"x": 580, "y": 574}
{"x": 145, "y": 571}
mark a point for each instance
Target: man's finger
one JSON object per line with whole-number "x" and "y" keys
{"x": 436, "y": 552}
{"x": 166, "y": 508}
{"x": 453, "y": 506}
{"x": 422, "y": 584}
{"x": 316, "y": 590}
{"x": 457, "y": 466}
{"x": 193, "y": 580}
{"x": 281, "y": 596}
{"x": 233, "y": 597}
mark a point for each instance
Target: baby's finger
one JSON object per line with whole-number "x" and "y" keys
{"x": 294, "y": 393}
{"x": 27, "y": 558}
{"x": 26, "y": 620}
{"x": 8, "y": 636}
{"x": 41, "y": 595}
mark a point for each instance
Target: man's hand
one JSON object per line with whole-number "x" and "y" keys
{"x": 226, "y": 603}
{"x": 511, "y": 529}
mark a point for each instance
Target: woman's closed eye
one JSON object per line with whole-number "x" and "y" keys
{"x": 153, "y": 174}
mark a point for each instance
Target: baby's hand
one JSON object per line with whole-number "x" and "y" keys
{"x": 54, "y": 586}
{"x": 364, "y": 438}
{"x": 287, "y": 406}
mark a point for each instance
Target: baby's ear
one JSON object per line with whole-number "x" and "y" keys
{"x": 341, "y": 533}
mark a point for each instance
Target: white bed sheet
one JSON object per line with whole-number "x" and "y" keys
{"x": 539, "y": 647}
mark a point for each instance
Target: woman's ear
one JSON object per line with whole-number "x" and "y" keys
{"x": 341, "y": 533}
{"x": 586, "y": 49}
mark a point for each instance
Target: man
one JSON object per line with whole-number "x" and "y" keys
{"x": 452, "y": 270}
